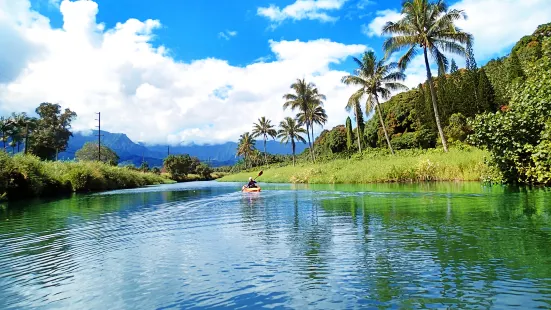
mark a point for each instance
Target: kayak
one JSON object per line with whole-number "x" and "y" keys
{"x": 251, "y": 190}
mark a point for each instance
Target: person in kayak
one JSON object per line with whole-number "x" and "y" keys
{"x": 252, "y": 183}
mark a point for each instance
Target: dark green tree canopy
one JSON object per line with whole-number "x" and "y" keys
{"x": 52, "y": 130}
{"x": 89, "y": 152}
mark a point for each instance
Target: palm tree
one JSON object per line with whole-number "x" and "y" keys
{"x": 245, "y": 146}
{"x": 264, "y": 128}
{"x": 304, "y": 99}
{"x": 314, "y": 115}
{"x": 20, "y": 121}
{"x": 291, "y": 130}
{"x": 429, "y": 26}
{"x": 375, "y": 79}
{"x": 6, "y": 125}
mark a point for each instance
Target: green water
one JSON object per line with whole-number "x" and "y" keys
{"x": 206, "y": 245}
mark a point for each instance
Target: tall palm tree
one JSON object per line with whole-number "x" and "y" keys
{"x": 314, "y": 115}
{"x": 303, "y": 99}
{"x": 245, "y": 146}
{"x": 20, "y": 121}
{"x": 375, "y": 79}
{"x": 6, "y": 125}
{"x": 430, "y": 27}
{"x": 264, "y": 128}
{"x": 291, "y": 130}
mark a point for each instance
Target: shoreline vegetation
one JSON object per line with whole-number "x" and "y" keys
{"x": 26, "y": 176}
{"x": 458, "y": 164}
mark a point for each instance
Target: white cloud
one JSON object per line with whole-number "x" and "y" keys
{"x": 362, "y": 4}
{"x": 140, "y": 90}
{"x": 227, "y": 34}
{"x": 302, "y": 9}
{"x": 495, "y": 24}
{"x": 498, "y": 24}
{"x": 375, "y": 27}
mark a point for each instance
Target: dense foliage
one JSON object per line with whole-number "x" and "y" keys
{"x": 519, "y": 138}
{"x": 89, "y": 152}
{"x": 25, "y": 176}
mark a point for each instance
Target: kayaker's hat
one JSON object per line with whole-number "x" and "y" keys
{"x": 250, "y": 178}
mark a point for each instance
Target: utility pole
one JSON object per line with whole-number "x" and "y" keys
{"x": 99, "y": 135}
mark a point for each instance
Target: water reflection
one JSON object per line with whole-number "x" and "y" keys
{"x": 444, "y": 245}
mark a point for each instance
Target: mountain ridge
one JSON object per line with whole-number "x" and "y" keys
{"x": 131, "y": 152}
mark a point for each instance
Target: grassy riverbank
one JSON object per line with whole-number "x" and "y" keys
{"x": 466, "y": 164}
{"x": 26, "y": 176}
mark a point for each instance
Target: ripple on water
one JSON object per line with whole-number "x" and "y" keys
{"x": 197, "y": 247}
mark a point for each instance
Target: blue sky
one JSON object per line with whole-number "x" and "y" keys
{"x": 195, "y": 71}
{"x": 191, "y": 28}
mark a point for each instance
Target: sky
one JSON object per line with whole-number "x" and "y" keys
{"x": 197, "y": 71}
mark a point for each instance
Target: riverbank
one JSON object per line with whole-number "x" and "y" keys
{"x": 26, "y": 176}
{"x": 459, "y": 164}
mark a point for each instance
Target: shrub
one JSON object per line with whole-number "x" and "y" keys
{"x": 406, "y": 140}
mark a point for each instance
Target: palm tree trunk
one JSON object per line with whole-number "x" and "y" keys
{"x": 383, "y": 124}
{"x": 358, "y": 131}
{"x": 293, "y": 145}
{"x": 435, "y": 108}
{"x": 265, "y": 156}
{"x": 18, "y": 145}
{"x": 309, "y": 143}
{"x": 313, "y": 143}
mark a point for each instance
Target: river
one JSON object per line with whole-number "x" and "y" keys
{"x": 205, "y": 245}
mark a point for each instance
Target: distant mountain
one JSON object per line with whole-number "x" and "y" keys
{"x": 131, "y": 152}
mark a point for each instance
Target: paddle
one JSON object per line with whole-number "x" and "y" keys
{"x": 259, "y": 174}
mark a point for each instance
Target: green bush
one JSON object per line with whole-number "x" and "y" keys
{"x": 25, "y": 176}
{"x": 518, "y": 139}
{"x": 406, "y": 140}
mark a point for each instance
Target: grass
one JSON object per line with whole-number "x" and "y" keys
{"x": 26, "y": 176}
{"x": 459, "y": 164}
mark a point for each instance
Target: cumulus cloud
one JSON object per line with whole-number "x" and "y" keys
{"x": 142, "y": 91}
{"x": 498, "y": 24}
{"x": 302, "y": 9}
{"x": 226, "y": 35}
{"x": 375, "y": 27}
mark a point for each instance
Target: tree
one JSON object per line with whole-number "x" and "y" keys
{"x": 245, "y": 147}
{"x": 349, "y": 138}
{"x": 315, "y": 115}
{"x": 514, "y": 69}
{"x": 20, "y": 122}
{"x": 453, "y": 66}
{"x": 6, "y": 124}
{"x": 178, "y": 165}
{"x": 375, "y": 78}
{"x": 89, "y": 152}
{"x": 303, "y": 99}
{"x": 144, "y": 166}
{"x": 486, "y": 95}
{"x": 429, "y": 26}
{"x": 204, "y": 171}
{"x": 264, "y": 128}
{"x": 52, "y": 132}
{"x": 290, "y": 130}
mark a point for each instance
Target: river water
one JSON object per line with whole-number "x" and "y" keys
{"x": 205, "y": 245}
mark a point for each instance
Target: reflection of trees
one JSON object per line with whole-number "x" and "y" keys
{"x": 475, "y": 240}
